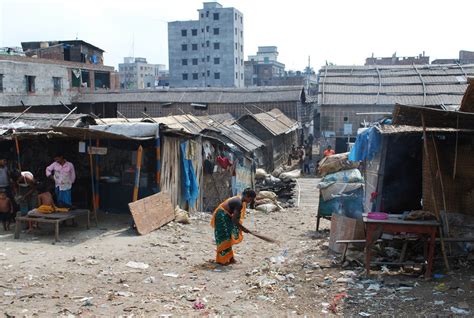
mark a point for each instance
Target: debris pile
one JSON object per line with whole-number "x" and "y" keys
{"x": 280, "y": 182}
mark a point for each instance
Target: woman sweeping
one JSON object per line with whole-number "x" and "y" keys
{"x": 226, "y": 221}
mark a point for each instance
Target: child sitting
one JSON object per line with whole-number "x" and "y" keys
{"x": 6, "y": 211}
{"x": 46, "y": 201}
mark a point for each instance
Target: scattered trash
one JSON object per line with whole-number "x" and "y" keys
{"x": 137, "y": 265}
{"x": 124, "y": 294}
{"x": 439, "y": 302}
{"x": 198, "y": 305}
{"x": 181, "y": 216}
{"x": 9, "y": 294}
{"x": 438, "y": 276}
{"x": 92, "y": 262}
{"x": 348, "y": 273}
{"x": 174, "y": 275}
{"x": 441, "y": 287}
{"x": 346, "y": 280}
{"x": 364, "y": 314}
{"x": 375, "y": 287}
{"x": 459, "y": 311}
{"x": 277, "y": 259}
{"x": 149, "y": 280}
{"x": 290, "y": 290}
{"x": 335, "y": 301}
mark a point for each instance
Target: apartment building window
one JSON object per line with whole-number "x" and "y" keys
{"x": 30, "y": 83}
{"x": 1, "y": 83}
{"x": 241, "y": 34}
{"x": 235, "y": 31}
{"x": 216, "y": 46}
{"x": 57, "y": 85}
{"x": 208, "y": 73}
{"x": 194, "y": 47}
{"x": 236, "y": 75}
{"x": 207, "y": 29}
{"x": 241, "y": 76}
{"x": 242, "y": 62}
{"x": 241, "y": 20}
{"x": 195, "y": 61}
{"x": 203, "y": 60}
{"x": 217, "y": 60}
{"x": 208, "y": 58}
{"x": 217, "y": 75}
{"x": 236, "y": 61}
{"x": 235, "y": 16}
{"x": 184, "y": 32}
{"x": 202, "y": 15}
{"x": 236, "y": 46}
{"x": 208, "y": 43}
{"x": 203, "y": 74}
{"x": 202, "y": 30}
{"x": 185, "y": 76}
{"x": 216, "y": 31}
{"x": 195, "y": 76}
{"x": 184, "y": 47}
{"x": 184, "y": 62}
{"x": 216, "y": 16}
{"x": 241, "y": 48}
{"x": 194, "y": 32}
{"x": 207, "y": 14}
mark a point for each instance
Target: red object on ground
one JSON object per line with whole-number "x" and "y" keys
{"x": 198, "y": 305}
{"x": 335, "y": 301}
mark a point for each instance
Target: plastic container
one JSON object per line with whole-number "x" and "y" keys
{"x": 377, "y": 216}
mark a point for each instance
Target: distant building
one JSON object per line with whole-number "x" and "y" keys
{"x": 398, "y": 60}
{"x": 207, "y": 52}
{"x": 137, "y": 73}
{"x": 349, "y": 96}
{"x": 465, "y": 57}
{"x": 71, "y": 50}
{"x": 48, "y": 83}
{"x": 261, "y": 69}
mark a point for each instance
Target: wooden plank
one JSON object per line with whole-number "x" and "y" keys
{"x": 152, "y": 212}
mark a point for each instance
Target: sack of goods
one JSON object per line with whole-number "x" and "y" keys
{"x": 266, "y": 201}
{"x": 336, "y": 163}
{"x": 181, "y": 216}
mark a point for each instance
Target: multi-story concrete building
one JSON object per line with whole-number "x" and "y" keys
{"x": 50, "y": 83}
{"x": 465, "y": 57}
{"x": 263, "y": 68}
{"x": 208, "y": 52}
{"x": 137, "y": 73}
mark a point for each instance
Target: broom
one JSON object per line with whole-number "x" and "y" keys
{"x": 262, "y": 237}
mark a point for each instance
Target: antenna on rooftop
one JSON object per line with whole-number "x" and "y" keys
{"x": 77, "y": 35}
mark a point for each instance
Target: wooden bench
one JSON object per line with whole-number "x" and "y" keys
{"x": 51, "y": 218}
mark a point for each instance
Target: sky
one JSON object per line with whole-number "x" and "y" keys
{"x": 343, "y": 32}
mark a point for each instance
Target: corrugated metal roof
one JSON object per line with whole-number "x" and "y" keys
{"x": 275, "y": 121}
{"x": 43, "y": 121}
{"x": 388, "y": 85}
{"x": 198, "y": 95}
{"x": 404, "y": 129}
{"x": 241, "y": 137}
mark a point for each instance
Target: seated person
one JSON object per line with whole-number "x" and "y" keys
{"x": 46, "y": 202}
{"x": 6, "y": 211}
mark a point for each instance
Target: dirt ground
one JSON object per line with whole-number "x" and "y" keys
{"x": 86, "y": 274}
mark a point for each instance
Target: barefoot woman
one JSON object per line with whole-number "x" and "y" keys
{"x": 226, "y": 220}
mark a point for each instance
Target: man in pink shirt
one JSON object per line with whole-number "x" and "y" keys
{"x": 64, "y": 176}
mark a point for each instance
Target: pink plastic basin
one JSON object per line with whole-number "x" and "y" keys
{"x": 377, "y": 215}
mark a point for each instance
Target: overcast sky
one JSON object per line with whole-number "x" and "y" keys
{"x": 343, "y": 32}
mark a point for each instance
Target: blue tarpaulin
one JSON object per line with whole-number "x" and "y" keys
{"x": 189, "y": 184}
{"x": 366, "y": 145}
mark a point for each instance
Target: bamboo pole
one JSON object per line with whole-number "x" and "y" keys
{"x": 456, "y": 149}
{"x": 433, "y": 196}
{"x": 137, "y": 173}
{"x": 158, "y": 158}
{"x": 91, "y": 164}
{"x": 442, "y": 184}
{"x": 17, "y": 146}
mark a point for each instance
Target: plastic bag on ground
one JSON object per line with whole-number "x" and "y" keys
{"x": 181, "y": 216}
{"x": 266, "y": 194}
{"x": 267, "y": 208}
{"x": 264, "y": 201}
{"x": 285, "y": 176}
{"x": 277, "y": 172}
{"x": 261, "y": 174}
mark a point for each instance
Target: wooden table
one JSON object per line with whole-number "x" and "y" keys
{"x": 52, "y": 218}
{"x": 395, "y": 224}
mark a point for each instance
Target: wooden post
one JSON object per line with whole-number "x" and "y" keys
{"x": 137, "y": 173}
{"x": 158, "y": 158}
{"x": 94, "y": 207}
{"x": 17, "y": 146}
{"x": 456, "y": 149}
{"x": 442, "y": 184}
{"x": 433, "y": 196}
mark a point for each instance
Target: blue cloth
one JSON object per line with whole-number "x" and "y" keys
{"x": 63, "y": 197}
{"x": 366, "y": 146}
{"x": 189, "y": 184}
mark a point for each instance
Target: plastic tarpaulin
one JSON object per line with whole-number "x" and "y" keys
{"x": 366, "y": 145}
{"x": 189, "y": 184}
